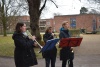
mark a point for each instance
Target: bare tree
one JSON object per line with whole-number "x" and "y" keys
{"x": 93, "y": 11}
{"x": 3, "y": 16}
{"x": 94, "y": 6}
{"x": 35, "y": 10}
{"x": 9, "y": 8}
{"x": 94, "y": 1}
{"x": 57, "y": 14}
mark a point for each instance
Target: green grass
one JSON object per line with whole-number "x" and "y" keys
{"x": 38, "y": 55}
{"x": 7, "y": 47}
{"x": 98, "y": 32}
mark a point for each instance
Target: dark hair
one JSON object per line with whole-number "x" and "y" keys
{"x": 47, "y": 30}
{"x": 17, "y": 28}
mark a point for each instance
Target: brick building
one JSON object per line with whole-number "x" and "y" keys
{"x": 12, "y": 21}
{"x": 89, "y": 22}
{"x": 44, "y": 23}
{"x": 24, "y": 19}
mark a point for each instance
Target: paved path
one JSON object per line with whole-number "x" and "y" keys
{"x": 87, "y": 55}
{"x": 79, "y": 61}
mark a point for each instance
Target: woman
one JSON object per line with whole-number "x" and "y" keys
{"x": 66, "y": 52}
{"x": 49, "y": 55}
{"x": 24, "y": 54}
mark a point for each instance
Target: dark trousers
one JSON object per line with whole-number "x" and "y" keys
{"x": 53, "y": 60}
{"x": 70, "y": 63}
{"x": 22, "y": 66}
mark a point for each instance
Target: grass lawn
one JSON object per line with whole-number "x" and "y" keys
{"x": 7, "y": 47}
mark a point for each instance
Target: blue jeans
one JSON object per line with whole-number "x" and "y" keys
{"x": 53, "y": 60}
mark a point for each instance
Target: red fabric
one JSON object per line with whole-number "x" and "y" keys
{"x": 71, "y": 42}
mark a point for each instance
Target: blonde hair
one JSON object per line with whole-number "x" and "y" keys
{"x": 64, "y": 23}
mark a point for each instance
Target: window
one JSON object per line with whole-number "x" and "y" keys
{"x": 73, "y": 23}
{"x": 42, "y": 23}
{"x": 99, "y": 20}
{"x": 94, "y": 20}
{"x": 42, "y": 29}
{"x": 48, "y": 23}
{"x": 94, "y": 24}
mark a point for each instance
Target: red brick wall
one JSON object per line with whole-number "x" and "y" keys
{"x": 82, "y": 21}
{"x": 98, "y": 22}
{"x": 85, "y": 21}
{"x": 49, "y": 23}
{"x": 60, "y": 19}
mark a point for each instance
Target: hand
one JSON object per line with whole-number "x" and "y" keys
{"x": 35, "y": 44}
{"x": 52, "y": 34}
{"x": 33, "y": 37}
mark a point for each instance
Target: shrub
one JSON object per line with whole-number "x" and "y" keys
{"x": 74, "y": 32}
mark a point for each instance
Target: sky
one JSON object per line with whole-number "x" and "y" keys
{"x": 65, "y": 7}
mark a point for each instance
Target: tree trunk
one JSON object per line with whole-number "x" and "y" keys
{"x": 3, "y": 19}
{"x": 4, "y": 26}
{"x": 34, "y": 17}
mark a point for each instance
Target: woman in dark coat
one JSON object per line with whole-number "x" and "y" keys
{"x": 66, "y": 52}
{"x": 49, "y": 55}
{"x": 24, "y": 54}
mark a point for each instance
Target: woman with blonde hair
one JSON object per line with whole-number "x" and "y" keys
{"x": 65, "y": 52}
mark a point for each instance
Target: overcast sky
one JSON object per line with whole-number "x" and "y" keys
{"x": 65, "y": 7}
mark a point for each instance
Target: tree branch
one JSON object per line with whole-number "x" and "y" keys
{"x": 42, "y": 7}
{"x": 54, "y": 3}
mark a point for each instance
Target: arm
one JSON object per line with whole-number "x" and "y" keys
{"x": 64, "y": 35}
{"x": 61, "y": 35}
{"x": 23, "y": 43}
{"x": 44, "y": 38}
{"x": 47, "y": 37}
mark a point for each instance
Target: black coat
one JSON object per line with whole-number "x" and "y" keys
{"x": 53, "y": 51}
{"x": 65, "y": 52}
{"x": 24, "y": 54}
